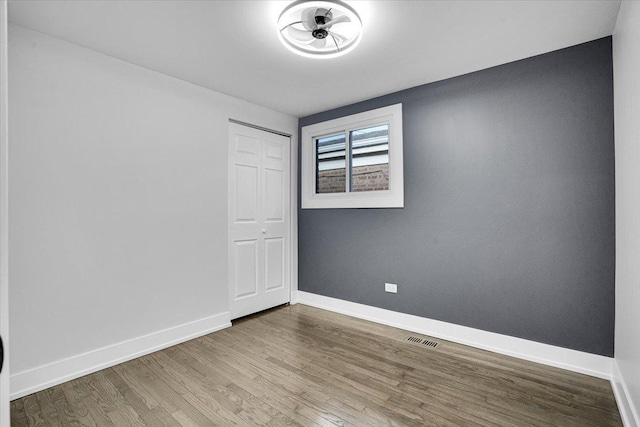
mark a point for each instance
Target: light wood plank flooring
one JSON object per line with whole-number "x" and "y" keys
{"x": 300, "y": 366}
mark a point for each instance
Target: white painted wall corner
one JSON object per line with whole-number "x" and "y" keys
{"x": 629, "y": 413}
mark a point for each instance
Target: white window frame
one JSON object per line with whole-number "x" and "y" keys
{"x": 391, "y": 198}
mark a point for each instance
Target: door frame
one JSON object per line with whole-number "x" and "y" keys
{"x": 293, "y": 206}
{"x": 4, "y": 242}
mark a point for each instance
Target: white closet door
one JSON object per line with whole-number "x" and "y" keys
{"x": 259, "y": 223}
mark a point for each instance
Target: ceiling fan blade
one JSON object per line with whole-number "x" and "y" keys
{"x": 338, "y": 20}
{"x": 319, "y": 43}
{"x": 335, "y": 42}
{"x": 309, "y": 18}
{"x": 338, "y": 37}
{"x": 300, "y": 35}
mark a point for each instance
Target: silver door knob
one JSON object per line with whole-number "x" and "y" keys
{"x": 264, "y": 231}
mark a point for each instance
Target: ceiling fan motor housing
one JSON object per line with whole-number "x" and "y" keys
{"x": 320, "y": 34}
{"x": 322, "y": 16}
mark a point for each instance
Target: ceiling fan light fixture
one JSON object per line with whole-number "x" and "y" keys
{"x": 319, "y": 29}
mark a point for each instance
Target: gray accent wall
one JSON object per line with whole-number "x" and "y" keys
{"x": 509, "y": 217}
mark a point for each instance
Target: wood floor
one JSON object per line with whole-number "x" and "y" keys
{"x": 297, "y": 365}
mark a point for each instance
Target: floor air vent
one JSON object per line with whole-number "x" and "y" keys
{"x": 412, "y": 339}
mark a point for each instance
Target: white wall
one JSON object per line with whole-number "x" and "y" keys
{"x": 117, "y": 206}
{"x": 626, "y": 66}
{"x": 4, "y": 289}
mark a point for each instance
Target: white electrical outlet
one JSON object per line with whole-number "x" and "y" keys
{"x": 391, "y": 287}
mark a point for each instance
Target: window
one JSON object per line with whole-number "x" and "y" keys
{"x": 354, "y": 161}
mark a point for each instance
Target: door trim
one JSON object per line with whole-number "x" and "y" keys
{"x": 249, "y": 125}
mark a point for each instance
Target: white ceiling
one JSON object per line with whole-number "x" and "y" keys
{"x": 232, "y": 46}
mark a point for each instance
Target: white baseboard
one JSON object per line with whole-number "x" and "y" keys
{"x": 572, "y": 360}
{"x": 45, "y": 376}
{"x": 629, "y": 413}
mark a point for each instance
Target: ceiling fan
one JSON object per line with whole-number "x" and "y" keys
{"x": 319, "y": 28}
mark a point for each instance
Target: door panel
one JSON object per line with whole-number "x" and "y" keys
{"x": 274, "y": 263}
{"x": 274, "y": 150}
{"x": 259, "y": 223}
{"x": 246, "y": 144}
{"x": 247, "y": 193}
{"x": 246, "y": 268}
{"x": 273, "y": 197}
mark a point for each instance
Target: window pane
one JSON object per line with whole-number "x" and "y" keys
{"x": 370, "y": 158}
{"x": 331, "y": 164}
